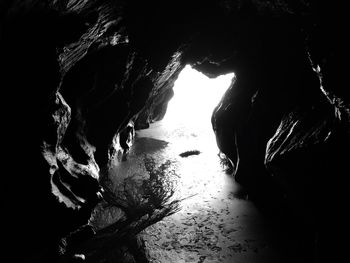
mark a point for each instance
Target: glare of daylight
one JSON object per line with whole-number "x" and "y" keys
{"x": 195, "y": 97}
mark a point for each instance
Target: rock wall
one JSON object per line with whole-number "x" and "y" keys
{"x": 286, "y": 128}
{"x": 75, "y": 72}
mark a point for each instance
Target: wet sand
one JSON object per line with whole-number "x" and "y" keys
{"x": 216, "y": 224}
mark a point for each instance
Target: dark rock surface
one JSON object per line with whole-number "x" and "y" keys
{"x": 75, "y": 72}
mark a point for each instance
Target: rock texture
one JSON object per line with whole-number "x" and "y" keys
{"x": 76, "y": 72}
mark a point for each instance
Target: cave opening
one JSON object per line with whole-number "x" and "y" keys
{"x": 178, "y": 157}
{"x": 185, "y": 133}
{"x": 195, "y": 97}
{"x": 189, "y": 111}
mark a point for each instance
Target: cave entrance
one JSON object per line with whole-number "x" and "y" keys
{"x": 215, "y": 218}
{"x": 189, "y": 112}
{"x": 214, "y": 222}
{"x": 188, "y": 116}
{"x": 185, "y": 135}
{"x": 195, "y": 97}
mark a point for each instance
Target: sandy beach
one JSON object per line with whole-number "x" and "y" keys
{"x": 216, "y": 223}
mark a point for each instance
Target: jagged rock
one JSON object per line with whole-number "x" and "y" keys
{"x": 156, "y": 108}
{"x": 305, "y": 149}
{"x": 307, "y": 156}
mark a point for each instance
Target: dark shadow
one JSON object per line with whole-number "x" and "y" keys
{"x": 189, "y": 153}
{"x": 149, "y": 145}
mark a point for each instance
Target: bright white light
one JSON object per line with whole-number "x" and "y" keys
{"x": 187, "y": 126}
{"x": 195, "y": 98}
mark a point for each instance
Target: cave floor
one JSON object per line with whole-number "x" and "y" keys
{"x": 216, "y": 223}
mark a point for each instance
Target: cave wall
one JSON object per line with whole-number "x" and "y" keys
{"x": 286, "y": 128}
{"x": 75, "y": 72}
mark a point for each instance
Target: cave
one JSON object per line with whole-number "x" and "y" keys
{"x": 79, "y": 77}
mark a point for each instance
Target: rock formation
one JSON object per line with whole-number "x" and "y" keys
{"x": 76, "y": 72}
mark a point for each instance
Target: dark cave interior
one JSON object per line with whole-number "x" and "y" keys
{"x": 71, "y": 65}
